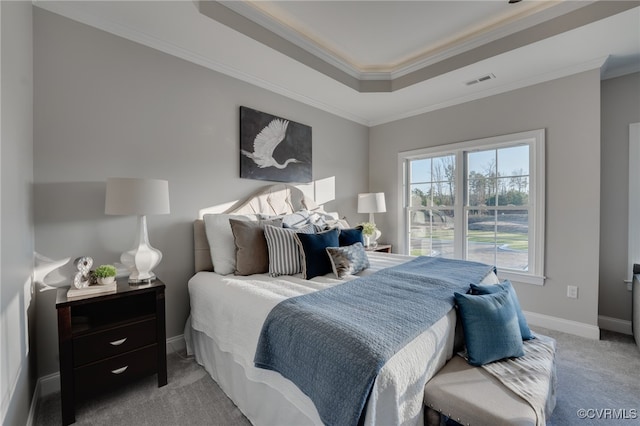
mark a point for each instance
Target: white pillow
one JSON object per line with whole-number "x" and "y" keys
{"x": 221, "y": 242}
{"x": 284, "y": 252}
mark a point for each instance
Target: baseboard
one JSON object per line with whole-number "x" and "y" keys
{"x": 615, "y": 324}
{"x": 31, "y": 418}
{"x": 566, "y": 326}
{"x": 47, "y": 385}
{"x": 175, "y": 344}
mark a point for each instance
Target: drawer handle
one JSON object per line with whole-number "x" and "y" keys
{"x": 120, "y": 370}
{"x": 118, "y": 342}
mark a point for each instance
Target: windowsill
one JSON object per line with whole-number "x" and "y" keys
{"x": 521, "y": 278}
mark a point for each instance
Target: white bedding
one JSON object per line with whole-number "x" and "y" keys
{"x": 229, "y": 312}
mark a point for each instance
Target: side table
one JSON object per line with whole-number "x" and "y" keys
{"x": 384, "y": 248}
{"x": 108, "y": 340}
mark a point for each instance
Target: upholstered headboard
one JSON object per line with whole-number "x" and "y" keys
{"x": 271, "y": 200}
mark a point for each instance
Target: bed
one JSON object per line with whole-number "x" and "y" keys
{"x": 228, "y": 311}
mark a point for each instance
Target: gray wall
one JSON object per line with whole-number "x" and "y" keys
{"x": 569, "y": 110}
{"x": 105, "y": 106}
{"x": 17, "y": 353}
{"x": 620, "y": 107}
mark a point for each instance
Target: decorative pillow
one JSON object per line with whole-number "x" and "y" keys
{"x": 348, "y": 260}
{"x": 506, "y": 285}
{"x": 351, "y": 236}
{"x": 284, "y": 254}
{"x": 490, "y": 327}
{"x": 252, "y": 255}
{"x": 295, "y": 220}
{"x": 315, "y": 260}
{"x": 323, "y": 219}
{"x": 336, "y": 223}
{"x": 220, "y": 237}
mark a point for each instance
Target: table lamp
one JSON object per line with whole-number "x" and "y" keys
{"x": 372, "y": 203}
{"x": 140, "y": 197}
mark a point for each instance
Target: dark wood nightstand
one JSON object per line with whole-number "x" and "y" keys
{"x": 384, "y": 248}
{"x": 109, "y": 340}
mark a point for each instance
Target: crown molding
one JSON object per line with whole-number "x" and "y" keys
{"x": 620, "y": 71}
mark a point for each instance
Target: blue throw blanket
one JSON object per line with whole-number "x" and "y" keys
{"x": 332, "y": 343}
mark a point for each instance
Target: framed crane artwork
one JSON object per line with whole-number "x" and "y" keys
{"x": 274, "y": 148}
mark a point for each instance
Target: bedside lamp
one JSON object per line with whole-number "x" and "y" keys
{"x": 372, "y": 203}
{"x": 133, "y": 196}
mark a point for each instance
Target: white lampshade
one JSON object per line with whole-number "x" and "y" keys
{"x": 372, "y": 203}
{"x": 133, "y": 196}
{"x": 140, "y": 197}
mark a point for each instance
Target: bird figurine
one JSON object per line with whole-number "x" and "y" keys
{"x": 266, "y": 142}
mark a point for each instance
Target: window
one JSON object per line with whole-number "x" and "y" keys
{"x": 480, "y": 200}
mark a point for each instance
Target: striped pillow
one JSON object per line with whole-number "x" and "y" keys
{"x": 284, "y": 253}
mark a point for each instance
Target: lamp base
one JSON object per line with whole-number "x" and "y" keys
{"x": 142, "y": 281}
{"x": 142, "y": 258}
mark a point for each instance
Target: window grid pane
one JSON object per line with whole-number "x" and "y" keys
{"x": 495, "y": 200}
{"x": 512, "y": 240}
{"x": 497, "y": 188}
{"x": 432, "y": 232}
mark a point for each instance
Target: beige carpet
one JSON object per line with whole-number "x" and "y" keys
{"x": 598, "y": 378}
{"x": 190, "y": 398}
{"x": 592, "y": 375}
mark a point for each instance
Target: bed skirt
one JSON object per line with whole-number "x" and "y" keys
{"x": 259, "y": 402}
{"x": 260, "y": 394}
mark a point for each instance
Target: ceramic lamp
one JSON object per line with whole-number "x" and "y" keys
{"x": 139, "y": 197}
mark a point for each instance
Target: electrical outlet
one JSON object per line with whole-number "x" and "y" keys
{"x": 572, "y": 291}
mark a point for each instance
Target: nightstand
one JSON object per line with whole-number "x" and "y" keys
{"x": 108, "y": 340}
{"x": 384, "y": 248}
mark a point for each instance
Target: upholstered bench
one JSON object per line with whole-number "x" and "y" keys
{"x": 473, "y": 396}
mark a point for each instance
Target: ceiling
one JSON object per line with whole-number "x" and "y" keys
{"x": 377, "y": 61}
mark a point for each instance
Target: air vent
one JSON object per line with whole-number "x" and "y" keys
{"x": 480, "y": 79}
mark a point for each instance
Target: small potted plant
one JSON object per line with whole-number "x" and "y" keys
{"x": 369, "y": 231}
{"x": 105, "y": 274}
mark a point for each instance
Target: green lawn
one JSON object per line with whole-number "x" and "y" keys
{"x": 514, "y": 240}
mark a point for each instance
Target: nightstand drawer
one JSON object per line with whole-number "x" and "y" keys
{"x": 94, "y": 378}
{"x": 114, "y": 341}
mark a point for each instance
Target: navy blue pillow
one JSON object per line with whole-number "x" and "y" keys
{"x": 506, "y": 285}
{"x": 351, "y": 236}
{"x": 490, "y": 326}
{"x": 315, "y": 260}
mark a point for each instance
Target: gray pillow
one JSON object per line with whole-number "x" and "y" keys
{"x": 252, "y": 255}
{"x": 348, "y": 260}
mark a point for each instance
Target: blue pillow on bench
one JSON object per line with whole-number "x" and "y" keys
{"x": 506, "y": 285}
{"x": 490, "y": 327}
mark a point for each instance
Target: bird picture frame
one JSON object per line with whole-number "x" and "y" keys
{"x": 274, "y": 148}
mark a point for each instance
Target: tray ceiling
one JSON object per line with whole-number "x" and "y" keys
{"x": 378, "y": 61}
